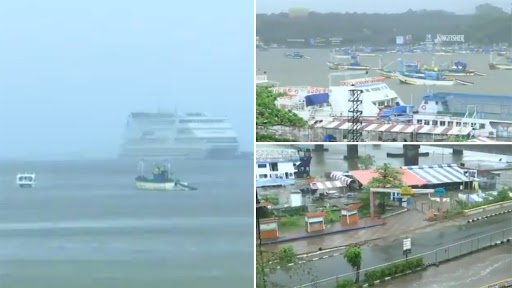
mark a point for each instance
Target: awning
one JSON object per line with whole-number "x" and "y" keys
{"x": 420, "y": 129}
{"x": 326, "y": 185}
{"x": 339, "y": 176}
{"x": 369, "y": 125}
{"x": 438, "y": 174}
{"x": 409, "y": 179}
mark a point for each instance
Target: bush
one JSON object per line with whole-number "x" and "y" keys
{"x": 347, "y": 283}
{"x": 393, "y": 269}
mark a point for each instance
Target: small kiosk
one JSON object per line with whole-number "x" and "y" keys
{"x": 315, "y": 222}
{"x": 349, "y": 215}
{"x": 269, "y": 229}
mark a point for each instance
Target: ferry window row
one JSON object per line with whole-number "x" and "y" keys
{"x": 285, "y": 175}
{"x": 450, "y": 124}
{"x": 375, "y": 89}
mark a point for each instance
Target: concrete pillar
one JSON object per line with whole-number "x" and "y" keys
{"x": 411, "y": 154}
{"x": 352, "y": 152}
{"x": 457, "y": 152}
{"x": 320, "y": 148}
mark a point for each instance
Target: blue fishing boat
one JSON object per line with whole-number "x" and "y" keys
{"x": 296, "y": 55}
{"x": 160, "y": 180}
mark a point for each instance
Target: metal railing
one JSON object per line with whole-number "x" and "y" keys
{"x": 435, "y": 256}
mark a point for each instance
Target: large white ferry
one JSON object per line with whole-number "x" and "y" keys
{"x": 317, "y": 103}
{"x": 171, "y": 135}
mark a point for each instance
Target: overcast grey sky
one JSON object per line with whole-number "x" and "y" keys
{"x": 375, "y": 6}
{"x": 72, "y": 71}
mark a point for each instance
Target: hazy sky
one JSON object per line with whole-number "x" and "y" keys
{"x": 374, "y": 6}
{"x": 71, "y": 71}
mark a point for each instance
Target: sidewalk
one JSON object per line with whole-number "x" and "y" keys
{"x": 334, "y": 229}
{"x": 397, "y": 226}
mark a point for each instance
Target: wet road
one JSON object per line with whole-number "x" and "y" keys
{"x": 421, "y": 243}
{"x": 475, "y": 271}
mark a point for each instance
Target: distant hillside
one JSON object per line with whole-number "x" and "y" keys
{"x": 489, "y": 24}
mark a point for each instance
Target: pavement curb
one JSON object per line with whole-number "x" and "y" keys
{"x": 310, "y": 260}
{"x": 291, "y": 239}
{"x": 488, "y": 216}
{"x": 430, "y": 264}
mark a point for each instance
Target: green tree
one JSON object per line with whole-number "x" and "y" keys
{"x": 274, "y": 199}
{"x": 366, "y": 162}
{"x": 268, "y": 263}
{"x": 354, "y": 258}
{"x": 268, "y": 116}
{"x": 387, "y": 177}
{"x": 489, "y": 24}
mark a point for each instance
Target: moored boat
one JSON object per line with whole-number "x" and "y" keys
{"x": 296, "y": 55}
{"x": 161, "y": 180}
{"x": 352, "y": 65}
{"x": 430, "y": 78}
{"x": 497, "y": 66}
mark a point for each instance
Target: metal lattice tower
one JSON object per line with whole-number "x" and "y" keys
{"x": 355, "y": 132}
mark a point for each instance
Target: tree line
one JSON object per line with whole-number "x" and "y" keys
{"x": 488, "y": 25}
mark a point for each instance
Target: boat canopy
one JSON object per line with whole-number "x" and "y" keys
{"x": 317, "y": 99}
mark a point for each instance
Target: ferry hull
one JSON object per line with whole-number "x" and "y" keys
{"x": 168, "y": 186}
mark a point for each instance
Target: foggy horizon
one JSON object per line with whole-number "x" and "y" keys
{"x": 73, "y": 71}
{"x": 371, "y": 6}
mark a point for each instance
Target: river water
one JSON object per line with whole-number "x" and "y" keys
{"x": 314, "y": 72}
{"x": 333, "y": 159}
{"x": 84, "y": 225}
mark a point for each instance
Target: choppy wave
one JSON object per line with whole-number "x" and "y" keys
{"x": 127, "y": 223}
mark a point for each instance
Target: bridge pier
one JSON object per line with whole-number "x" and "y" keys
{"x": 319, "y": 148}
{"x": 352, "y": 152}
{"x": 458, "y": 152}
{"x": 411, "y": 154}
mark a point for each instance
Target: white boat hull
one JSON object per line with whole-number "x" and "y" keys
{"x": 501, "y": 67}
{"x": 416, "y": 81}
{"x": 168, "y": 186}
{"x": 334, "y": 66}
{"x": 467, "y": 73}
{"x": 386, "y": 74}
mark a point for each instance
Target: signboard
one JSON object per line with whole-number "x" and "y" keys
{"x": 336, "y": 40}
{"x": 449, "y": 38}
{"x": 407, "y": 246}
{"x": 470, "y": 173}
{"x": 399, "y": 40}
{"x": 362, "y": 81}
{"x": 440, "y": 192}
{"x": 408, "y": 39}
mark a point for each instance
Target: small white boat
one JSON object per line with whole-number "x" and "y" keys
{"x": 503, "y": 66}
{"x": 26, "y": 180}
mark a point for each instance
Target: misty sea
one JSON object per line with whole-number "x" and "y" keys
{"x": 85, "y": 225}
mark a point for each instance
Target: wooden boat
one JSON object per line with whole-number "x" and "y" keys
{"x": 352, "y": 65}
{"x": 161, "y": 180}
{"x": 387, "y": 73}
{"x": 504, "y": 66}
{"x": 430, "y": 78}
